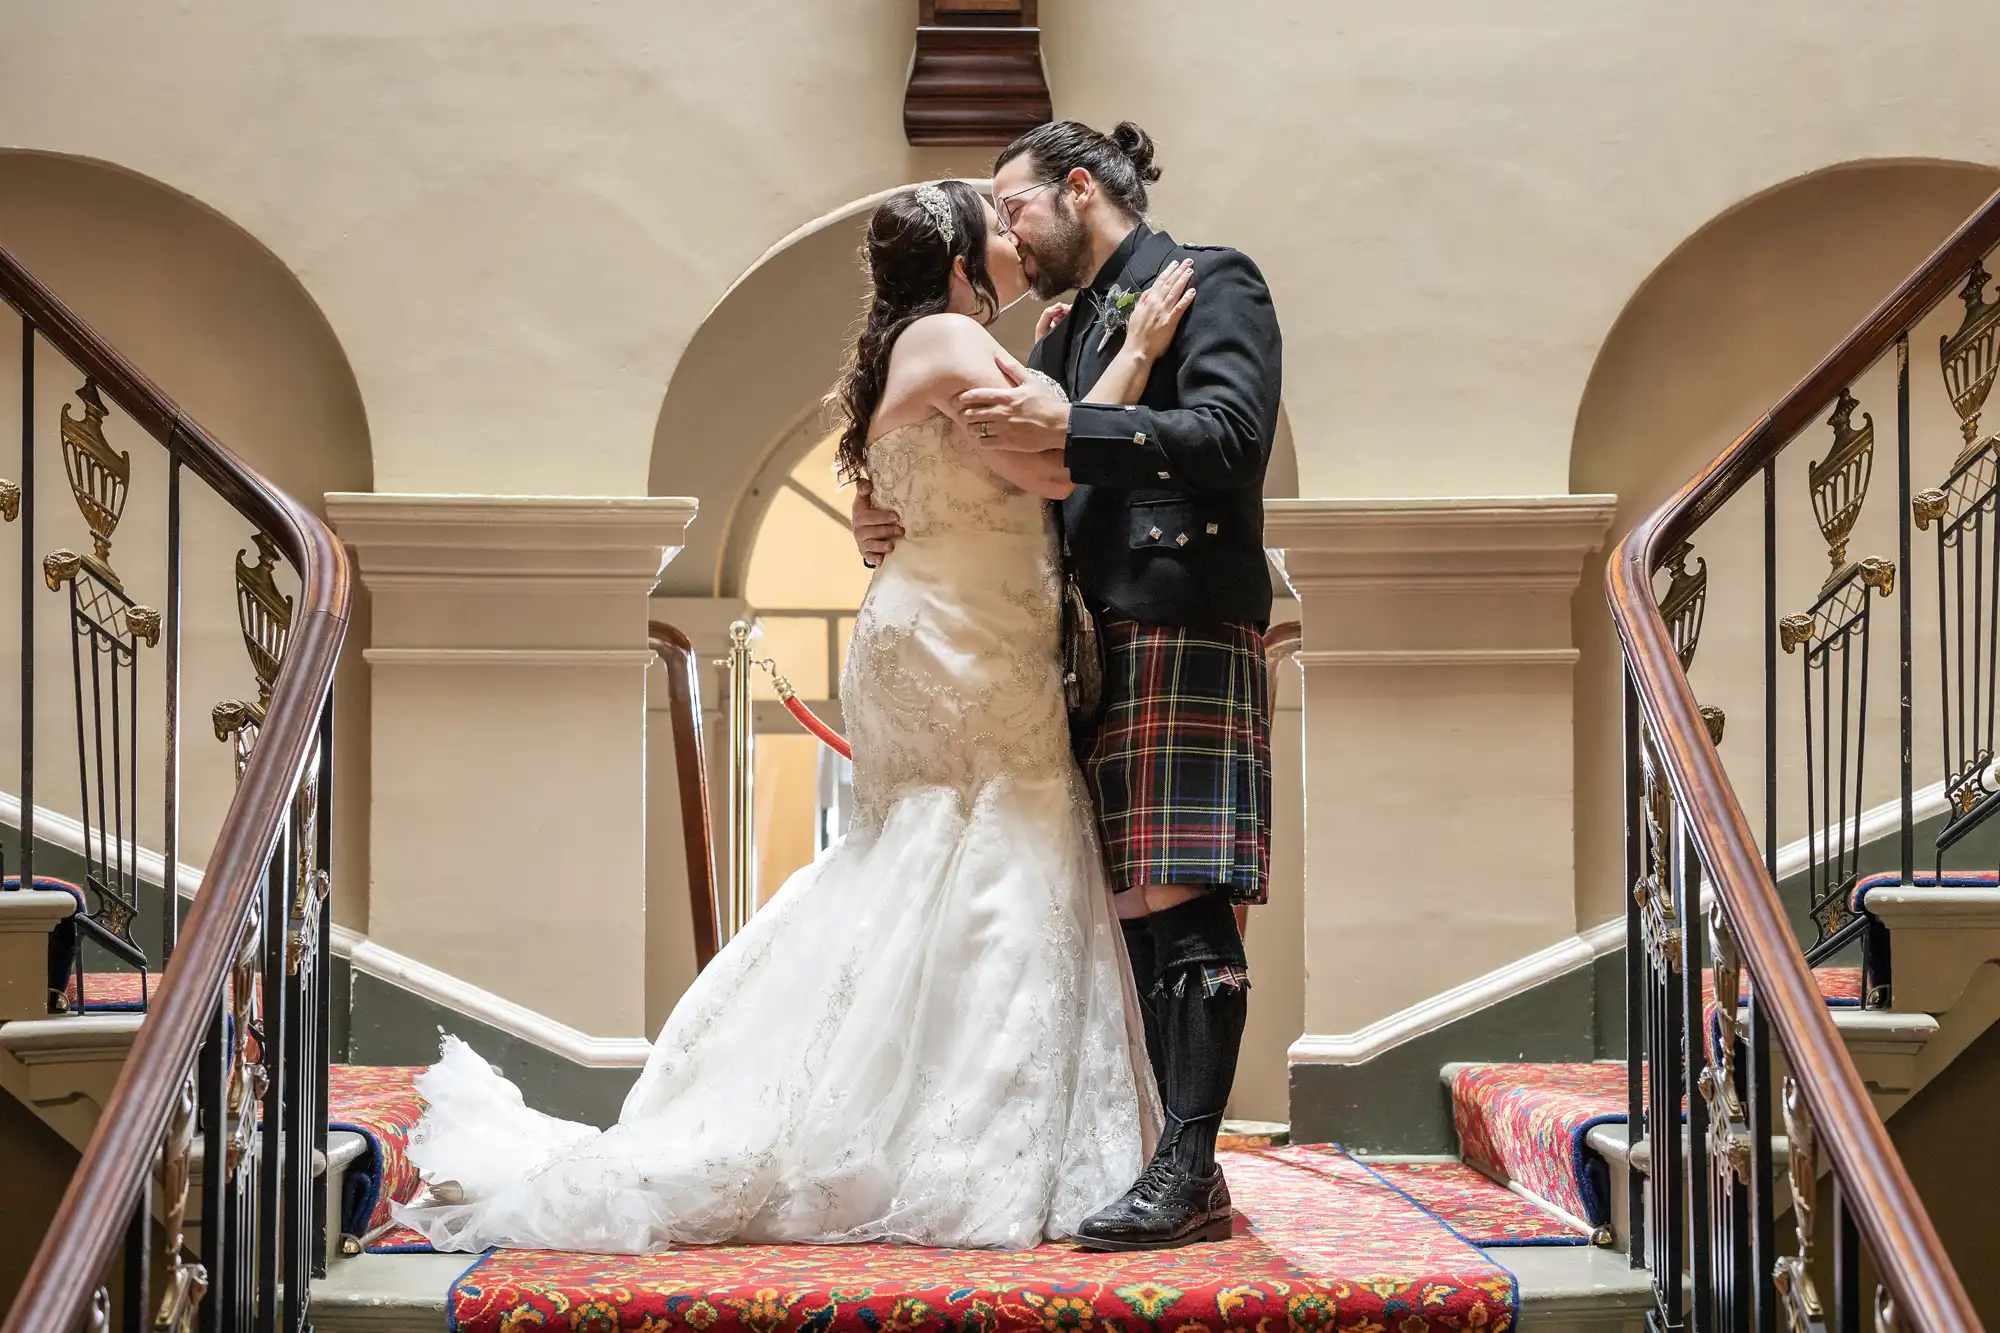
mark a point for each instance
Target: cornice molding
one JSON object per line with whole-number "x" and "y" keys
{"x": 624, "y": 659}
{"x": 1399, "y": 659}
{"x": 401, "y": 540}
{"x": 1450, "y": 544}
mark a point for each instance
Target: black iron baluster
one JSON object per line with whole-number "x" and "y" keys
{"x": 273, "y": 1050}
{"x": 1666, "y": 1227}
{"x": 1815, "y": 793}
{"x": 211, "y": 1093}
{"x": 1728, "y": 1153}
{"x": 1669, "y": 1183}
{"x": 1846, "y": 1265}
{"x": 170, "y": 614}
{"x": 1689, "y": 1047}
{"x": 1635, "y": 973}
{"x": 1757, "y": 1061}
{"x": 122, "y": 726}
{"x": 138, "y": 1262}
{"x": 1944, "y": 677}
{"x": 297, "y": 1147}
{"x": 1874, "y": 969}
{"x": 1986, "y": 704}
{"x": 1965, "y": 740}
{"x": 323, "y": 976}
{"x": 1850, "y": 834}
{"x": 92, "y": 874}
{"x": 28, "y": 563}
{"x": 1759, "y": 1092}
{"x": 247, "y": 1147}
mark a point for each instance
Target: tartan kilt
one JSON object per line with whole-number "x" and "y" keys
{"x": 1179, "y": 762}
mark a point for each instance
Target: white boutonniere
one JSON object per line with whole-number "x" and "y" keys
{"x": 1118, "y": 303}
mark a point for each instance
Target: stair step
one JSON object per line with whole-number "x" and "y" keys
{"x": 1317, "y": 1230}
{"x": 1608, "y": 1142}
{"x": 27, "y": 916}
{"x": 1942, "y": 935}
{"x": 1563, "y": 1289}
{"x": 63, "y": 1069}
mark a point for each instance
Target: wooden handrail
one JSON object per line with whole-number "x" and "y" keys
{"x": 1281, "y": 641}
{"x": 1884, "y": 1203}
{"x": 677, "y": 654}
{"x": 90, "y": 1224}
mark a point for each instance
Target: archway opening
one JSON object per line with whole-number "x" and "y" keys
{"x": 230, "y": 333}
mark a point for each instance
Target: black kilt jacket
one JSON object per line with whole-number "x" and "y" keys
{"x": 1166, "y": 525}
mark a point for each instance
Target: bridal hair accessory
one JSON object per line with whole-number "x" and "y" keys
{"x": 935, "y": 202}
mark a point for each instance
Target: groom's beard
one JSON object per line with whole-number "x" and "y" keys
{"x": 1062, "y": 255}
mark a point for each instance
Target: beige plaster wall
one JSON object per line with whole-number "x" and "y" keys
{"x": 517, "y": 216}
{"x": 1715, "y": 336}
{"x": 227, "y": 331}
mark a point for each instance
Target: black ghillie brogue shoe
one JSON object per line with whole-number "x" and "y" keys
{"x": 1165, "y": 1208}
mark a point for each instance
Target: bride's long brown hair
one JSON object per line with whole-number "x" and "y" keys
{"x": 909, "y": 276}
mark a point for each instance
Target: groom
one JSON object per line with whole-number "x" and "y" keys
{"x": 1165, "y": 537}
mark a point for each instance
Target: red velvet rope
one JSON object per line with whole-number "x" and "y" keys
{"x": 808, "y": 719}
{"x": 811, "y": 722}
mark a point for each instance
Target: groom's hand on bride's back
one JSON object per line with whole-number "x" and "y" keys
{"x": 876, "y": 531}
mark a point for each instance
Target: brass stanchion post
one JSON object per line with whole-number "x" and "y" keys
{"x": 742, "y": 829}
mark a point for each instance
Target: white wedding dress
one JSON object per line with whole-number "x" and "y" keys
{"x": 924, "y": 1036}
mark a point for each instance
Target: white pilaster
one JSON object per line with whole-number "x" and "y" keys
{"x": 1439, "y": 766}
{"x": 508, "y": 755}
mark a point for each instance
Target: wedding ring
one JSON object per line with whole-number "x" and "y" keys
{"x": 985, "y": 432}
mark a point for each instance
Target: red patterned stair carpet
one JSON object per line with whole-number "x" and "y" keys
{"x": 380, "y": 1103}
{"x": 1839, "y": 986}
{"x": 1527, "y": 1123}
{"x": 1476, "y": 1206}
{"x": 1321, "y": 1243}
{"x": 113, "y": 992}
{"x": 1479, "y": 1209}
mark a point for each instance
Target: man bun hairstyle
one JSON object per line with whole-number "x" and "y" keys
{"x": 1121, "y": 162}
{"x": 1137, "y": 145}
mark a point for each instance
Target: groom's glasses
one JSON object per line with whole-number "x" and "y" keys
{"x": 1004, "y": 206}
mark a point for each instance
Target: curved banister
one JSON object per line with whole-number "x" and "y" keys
{"x": 1883, "y": 1202}
{"x": 676, "y": 653}
{"x": 115, "y": 1165}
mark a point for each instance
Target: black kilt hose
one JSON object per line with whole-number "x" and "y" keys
{"x": 1179, "y": 760}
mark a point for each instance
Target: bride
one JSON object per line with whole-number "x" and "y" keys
{"x": 928, "y": 1035}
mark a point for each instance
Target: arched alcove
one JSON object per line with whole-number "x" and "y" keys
{"x": 232, "y": 334}
{"x": 744, "y": 405}
{"x": 742, "y": 427}
{"x": 1725, "y": 324}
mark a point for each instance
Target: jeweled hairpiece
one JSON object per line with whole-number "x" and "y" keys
{"x": 935, "y": 202}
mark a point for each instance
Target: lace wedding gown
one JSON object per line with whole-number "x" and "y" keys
{"x": 924, "y": 1035}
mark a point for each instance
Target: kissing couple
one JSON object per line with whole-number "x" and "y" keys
{"x": 1006, "y": 1006}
